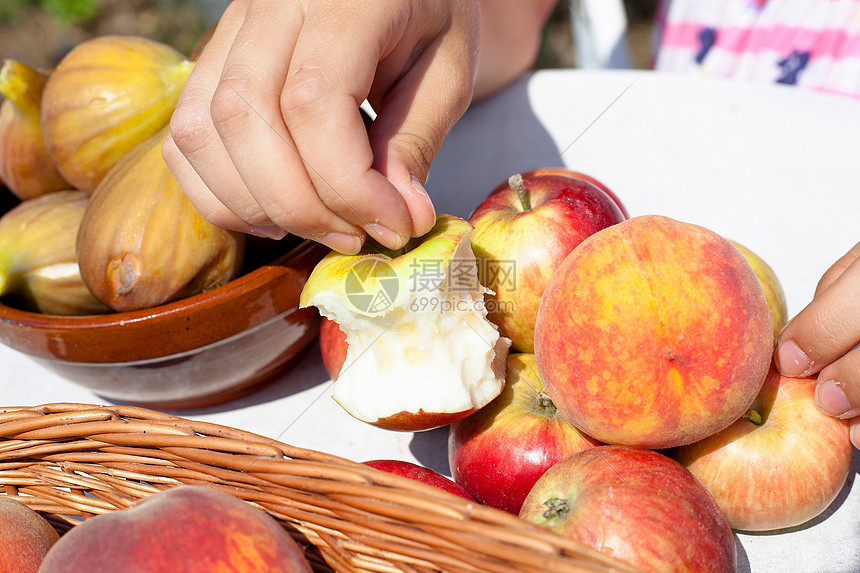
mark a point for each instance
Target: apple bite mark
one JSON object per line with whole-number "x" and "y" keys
{"x": 421, "y": 351}
{"x": 653, "y": 333}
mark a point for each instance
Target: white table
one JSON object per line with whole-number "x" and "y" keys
{"x": 771, "y": 167}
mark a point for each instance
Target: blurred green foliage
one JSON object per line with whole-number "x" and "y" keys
{"x": 63, "y": 11}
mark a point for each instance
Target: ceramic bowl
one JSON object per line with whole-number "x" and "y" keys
{"x": 194, "y": 352}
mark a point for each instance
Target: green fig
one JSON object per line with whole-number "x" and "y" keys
{"x": 26, "y": 167}
{"x": 143, "y": 243}
{"x": 106, "y": 96}
{"x": 37, "y": 255}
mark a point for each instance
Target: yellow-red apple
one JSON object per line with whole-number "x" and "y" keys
{"x": 195, "y": 529}
{"x": 771, "y": 286}
{"x": 779, "y": 465}
{"x": 654, "y": 333}
{"x": 523, "y": 231}
{"x": 25, "y": 537}
{"x": 499, "y": 452}
{"x": 636, "y": 505}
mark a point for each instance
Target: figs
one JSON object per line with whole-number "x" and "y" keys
{"x": 37, "y": 255}
{"x": 26, "y": 166}
{"x": 143, "y": 243}
{"x": 106, "y": 96}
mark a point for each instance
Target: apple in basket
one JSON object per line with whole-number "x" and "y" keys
{"x": 653, "y": 333}
{"x": 195, "y": 529}
{"x": 419, "y": 473}
{"x": 524, "y": 230}
{"x": 25, "y": 537}
{"x": 421, "y": 351}
{"x": 636, "y": 505}
{"x": 779, "y": 465}
{"x": 499, "y": 452}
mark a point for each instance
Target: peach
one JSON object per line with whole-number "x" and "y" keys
{"x": 653, "y": 333}
{"x": 25, "y": 537}
{"x": 195, "y": 529}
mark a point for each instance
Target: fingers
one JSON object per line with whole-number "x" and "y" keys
{"x": 823, "y": 338}
{"x": 268, "y": 138}
{"x": 246, "y": 113}
{"x": 419, "y": 110}
{"x": 192, "y": 150}
{"x": 823, "y": 331}
{"x": 837, "y": 391}
{"x": 837, "y": 269}
{"x": 855, "y": 432}
{"x": 241, "y": 168}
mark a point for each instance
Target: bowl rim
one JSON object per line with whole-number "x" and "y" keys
{"x": 45, "y": 335}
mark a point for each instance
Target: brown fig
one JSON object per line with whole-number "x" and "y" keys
{"x": 37, "y": 255}
{"x": 106, "y": 96}
{"x": 143, "y": 243}
{"x": 26, "y": 167}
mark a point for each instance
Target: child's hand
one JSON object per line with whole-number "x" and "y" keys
{"x": 267, "y": 137}
{"x": 822, "y": 339}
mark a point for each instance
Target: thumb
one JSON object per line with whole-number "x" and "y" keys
{"x": 413, "y": 121}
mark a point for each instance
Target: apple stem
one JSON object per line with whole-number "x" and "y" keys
{"x": 516, "y": 183}
{"x": 546, "y": 405}
{"x": 754, "y": 417}
{"x": 556, "y": 507}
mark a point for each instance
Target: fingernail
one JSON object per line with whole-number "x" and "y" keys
{"x": 791, "y": 361}
{"x": 340, "y": 242}
{"x": 422, "y": 222}
{"x": 385, "y": 236}
{"x": 269, "y": 231}
{"x": 421, "y": 191}
{"x": 830, "y": 398}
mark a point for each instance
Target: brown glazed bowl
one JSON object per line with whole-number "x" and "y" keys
{"x": 195, "y": 352}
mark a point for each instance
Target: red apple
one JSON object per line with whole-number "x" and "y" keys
{"x": 636, "y": 505}
{"x": 333, "y": 347}
{"x": 419, "y": 473}
{"x": 523, "y": 231}
{"x": 499, "y": 452}
{"x": 593, "y": 181}
{"x": 779, "y": 465}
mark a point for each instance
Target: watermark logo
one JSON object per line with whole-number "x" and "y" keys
{"x": 372, "y": 287}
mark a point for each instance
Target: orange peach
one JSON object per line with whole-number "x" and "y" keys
{"x": 25, "y": 537}
{"x": 196, "y": 529}
{"x": 653, "y": 333}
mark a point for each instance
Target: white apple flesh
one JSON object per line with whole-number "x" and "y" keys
{"x": 421, "y": 351}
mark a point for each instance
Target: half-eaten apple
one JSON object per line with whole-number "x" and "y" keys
{"x": 421, "y": 351}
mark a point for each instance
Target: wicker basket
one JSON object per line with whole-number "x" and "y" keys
{"x": 73, "y": 461}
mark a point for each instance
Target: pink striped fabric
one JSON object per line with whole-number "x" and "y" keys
{"x": 809, "y": 43}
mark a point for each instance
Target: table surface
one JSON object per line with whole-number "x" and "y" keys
{"x": 771, "y": 167}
